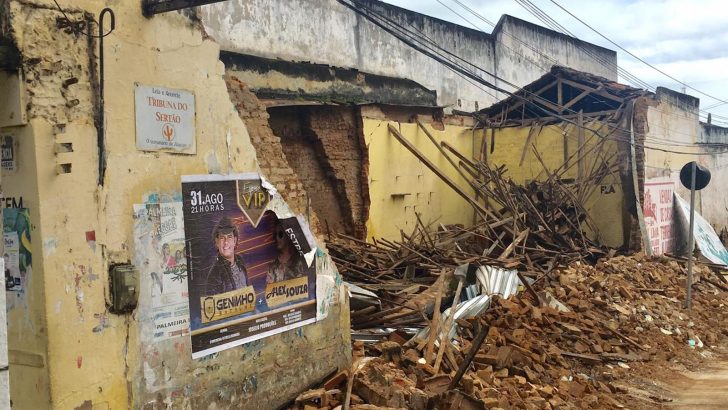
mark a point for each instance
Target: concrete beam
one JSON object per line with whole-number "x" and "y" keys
{"x": 152, "y": 7}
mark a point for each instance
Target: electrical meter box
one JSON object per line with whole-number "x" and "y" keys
{"x": 124, "y": 288}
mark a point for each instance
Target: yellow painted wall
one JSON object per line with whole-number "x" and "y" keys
{"x": 606, "y": 202}
{"x": 70, "y": 351}
{"x": 27, "y": 327}
{"x": 394, "y": 171}
{"x": 400, "y": 185}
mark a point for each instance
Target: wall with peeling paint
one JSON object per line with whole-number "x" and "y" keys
{"x": 672, "y": 124}
{"x": 342, "y": 38}
{"x": 66, "y": 349}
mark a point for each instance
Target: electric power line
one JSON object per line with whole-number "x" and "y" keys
{"x": 551, "y": 23}
{"x": 635, "y": 56}
{"x": 481, "y": 17}
{"x": 357, "y": 8}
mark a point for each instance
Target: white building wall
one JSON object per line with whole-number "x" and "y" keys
{"x": 715, "y": 203}
{"x": 326, "y": 32}
{"x": 524, "y": 52}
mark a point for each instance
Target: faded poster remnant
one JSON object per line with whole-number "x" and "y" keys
{"x": 705, "y": 237}
{"x": 18, "y": 256}
{"x": 161, "y": 258}
{"x": 7, "y": 162}
{"x": 658, "y": 207}
{"x": 249, "y": 275}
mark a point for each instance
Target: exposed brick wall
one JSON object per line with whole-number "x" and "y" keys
{"x": 324, "y": 145}
{"x": 268, "y": 148}
{"x": 305, "y": 156}
{"x": 640, "y": 130}
{"x": 339, "y": 131}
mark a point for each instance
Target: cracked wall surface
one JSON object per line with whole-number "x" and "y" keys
{"x": 66, "y": 349}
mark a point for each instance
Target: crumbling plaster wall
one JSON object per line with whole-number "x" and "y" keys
{"x": 341, "y": 38}
{"x": 70, "y": 351}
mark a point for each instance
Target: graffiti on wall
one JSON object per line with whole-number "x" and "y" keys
{"x": 658, "y": 210}
{"x": 18, "y": 256}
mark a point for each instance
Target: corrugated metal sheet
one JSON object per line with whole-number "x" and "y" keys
{"x": 490, "y": 281}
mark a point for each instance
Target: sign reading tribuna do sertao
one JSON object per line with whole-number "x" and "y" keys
{"x": 165, "y": 119}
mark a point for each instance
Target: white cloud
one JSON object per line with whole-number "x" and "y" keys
{"x": 688, "y": 40}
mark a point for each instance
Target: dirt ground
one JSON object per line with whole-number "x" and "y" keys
{"x": 706, "y": 389}
{"x": 700, "y": 385}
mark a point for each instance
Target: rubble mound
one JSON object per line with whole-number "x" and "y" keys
{"x": 570, "y": 344}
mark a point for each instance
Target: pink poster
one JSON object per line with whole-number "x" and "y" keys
{"x": 658, "y": 207}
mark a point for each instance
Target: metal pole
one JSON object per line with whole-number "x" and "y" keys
{"x": 691, "y": 238}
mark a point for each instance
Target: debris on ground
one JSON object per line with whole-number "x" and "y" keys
{"x": 522, "y": 310}
{"x": 571, "y": 345}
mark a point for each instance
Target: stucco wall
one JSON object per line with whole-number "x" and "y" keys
{"x": 400, "y": 185}
{"x": 341, "y": 38}
{"x": 604, "y": 204}
{"x": 715, "y": 203}
{"x": 522, "y": 48}
{"x": 672, "y": 122}
{"x": 66, "y": 349}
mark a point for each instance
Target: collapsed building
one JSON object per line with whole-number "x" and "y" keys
{"x": 313, "y": 115}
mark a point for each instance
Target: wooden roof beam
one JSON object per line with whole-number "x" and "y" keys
{"x": 597, "y": 91}
{"x": 580, "y": 97}
{"x": 527, "y": 99}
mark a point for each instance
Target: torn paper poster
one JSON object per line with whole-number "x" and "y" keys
{"x": 18, "y": 253}
{"x": 252, "y": 272}
{"x": 159, "y": 249}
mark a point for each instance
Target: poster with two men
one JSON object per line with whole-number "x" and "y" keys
{"x": 248, "y": 276}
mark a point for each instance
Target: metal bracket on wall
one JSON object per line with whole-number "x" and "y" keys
{"x": 78, "y": 27}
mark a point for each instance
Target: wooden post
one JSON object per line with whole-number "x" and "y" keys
{"x": 435, "y": 325}
{"x": 580, "y": 141}
{"x": 445, "y": 334}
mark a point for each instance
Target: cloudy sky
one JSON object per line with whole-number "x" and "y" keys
{"x": 686, "y": 39}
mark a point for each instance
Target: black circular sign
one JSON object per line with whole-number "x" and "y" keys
{"x": 702, "y": 175}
